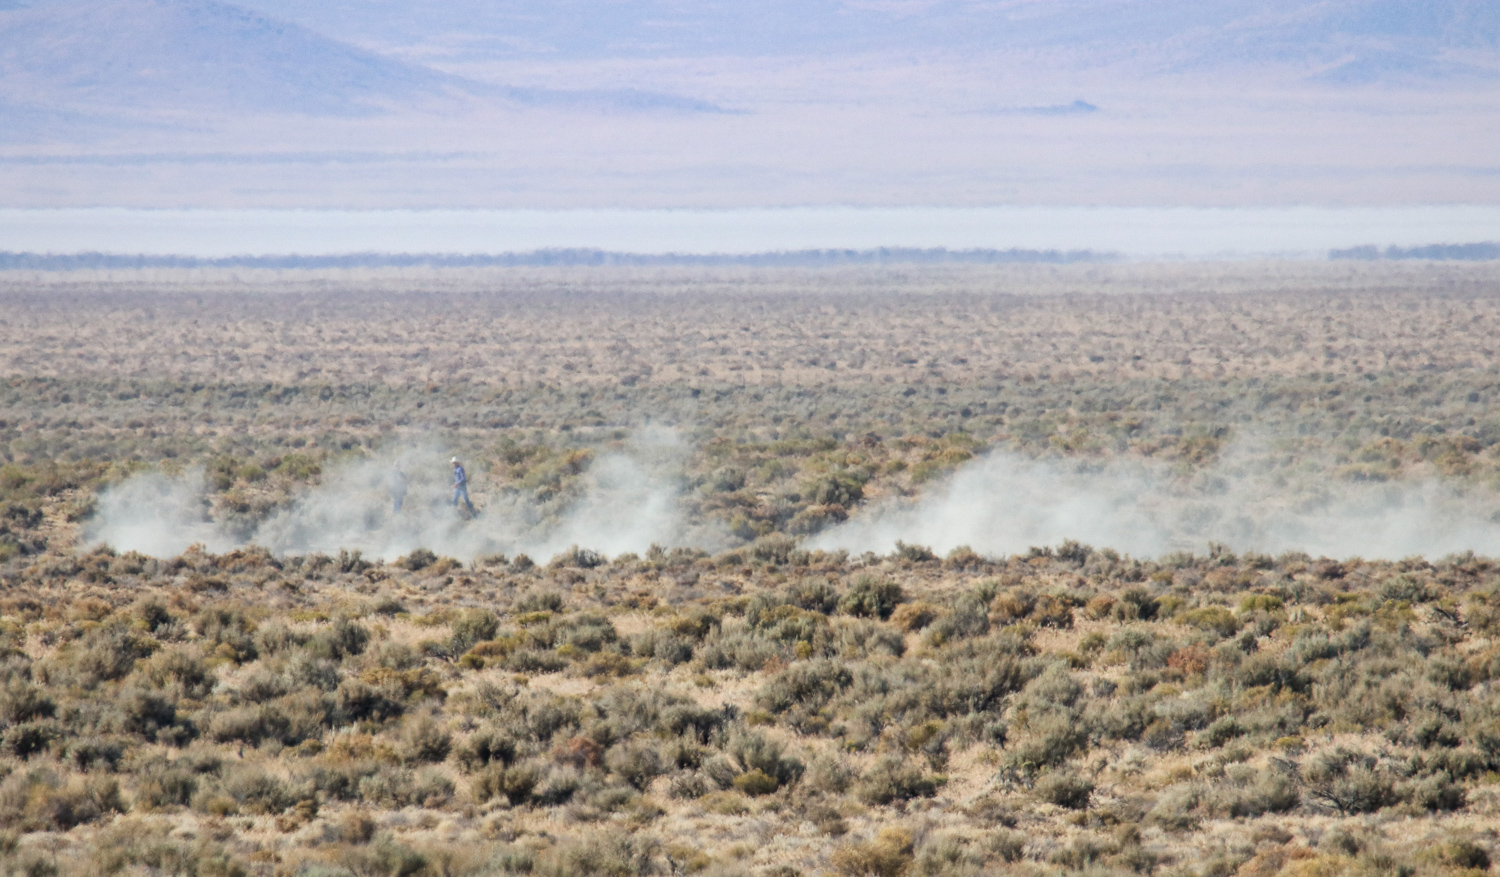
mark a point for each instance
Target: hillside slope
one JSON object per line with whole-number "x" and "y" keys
{"x": 1344, "y": 39}
{"x": 197, "y": 55}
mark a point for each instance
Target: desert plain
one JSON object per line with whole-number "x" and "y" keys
{"x": 1177, "y": 569}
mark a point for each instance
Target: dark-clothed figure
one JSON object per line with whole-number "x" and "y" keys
{"x": 398, "y": 483}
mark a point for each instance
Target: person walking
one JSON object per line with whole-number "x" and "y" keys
{"x": 398, "y": 483}
{"x": 461, "y": 486}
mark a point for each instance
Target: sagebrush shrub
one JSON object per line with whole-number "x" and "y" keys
{"x": 893, "y": 778}
{"x": 1064, "y": 788}
{"x": 1349, "y": 781}
{"x": 869, "y": 597}
{"x": 424, "y": 740}
{"x": 472, "y": 627}
{"x": 889, "y": 855}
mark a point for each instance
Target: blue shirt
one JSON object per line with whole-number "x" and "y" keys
{"x": 459, "y": 478}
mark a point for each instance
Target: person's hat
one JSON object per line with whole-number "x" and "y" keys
{"x": 454, "y": 460}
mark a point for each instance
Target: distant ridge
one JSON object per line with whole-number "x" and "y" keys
{"x": 1440, "y": 252}
{"x": 554, "y": 257}
{"x": 176, "y": 62}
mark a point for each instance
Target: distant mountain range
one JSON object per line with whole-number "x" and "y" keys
{"x": 193, "y": 55}
{"x": 485, "y": 103}
{"x": 116, "y": 56}
{"x": 1336, "y": 40}
{"x": 117, "y": 60}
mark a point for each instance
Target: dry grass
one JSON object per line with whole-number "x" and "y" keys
{"x": 575, "y": 327}
{"x": 765, "y": 711}
{"x": 1127, "y": 744}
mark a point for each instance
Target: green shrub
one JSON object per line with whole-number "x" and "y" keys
{"x": 602, "y": 855}
{"x": 1049, "y": 741}
{"x": 419, "y": 559}
{"x": 1247, "y": 792}
{"x": 1176, "y": 808}
{"x": 109, "y": 652}
{"x": 387, "y": 856}
{"x": 756, "y": 752}
{"x": 775, "y": 550}
{"x": 424, "y": 740}
{"x": 1135, "y": 604}
{"x": 472, "y": 627}
{"x": 870, "y": 597}
{"x": 254, "y": 791}
{"x": 839, "y": 488}
{"x": 1437, "y": 793}
{"x": 889, "y": 855}
{"x": 1007, "y": 845}
{"x": 535, "y": 661}
{"x": 737, "y": 647}
{"x": 911, "y": 617}
{"x": 830, "y": 774}
{"x": 161, "y": 784}
{"x": 341, "y": 639}
{"x": 814, "y": 595}
{"x": 636, "y": 762}
{"x": 1222, "y": 731}
{"x": 586, "y": 632}
{"x": 21, "y": 701}
{"x": 358, "y": 702}
{"x": 891, "y": 779}
{"x": 1065, "y": 789}
{"x": 806, "y": 684}
{"x": 1260, "y": 603}
{"x": 396, "y": 787}
{"x": 1211, "y": 619}
{"x": 31, "y": 738}
{"x": 1082, "y": 853}
{"x": 304, "y": 671}
{"x": 1465, "y": 853}
{"x": 557, "y": 786}
{"x": 42, "y": 800}
{"x": 152, "y": 715}
{"x": 1259, "y": 670}
{"x": 227, "y": 633}
{"x": 699, "y": 723}
{"x": 514, "y": 783}
{"x": 182, "y": 670}
{"x": 663, "y": 646}
{"x": 540, "y": 601}
{"x": 153, "y": 613}
{"x": 913, "y": 553}
{"x": 969, "y": 618}
{"x": 249, "y": 724}
{"x": 276, "y": 638}
{"x": 484, "y": 746}
{"x": 856, "y": 638}
{"x": 1349, "y": 782}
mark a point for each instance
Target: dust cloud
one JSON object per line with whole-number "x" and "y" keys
{"x": 628, "y": 502}
{"x": 999, "y": 504}
{"x": 1003, "y": 504}
{"x": 157, "y": 514}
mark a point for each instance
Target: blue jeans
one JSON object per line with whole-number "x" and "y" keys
{"x": 462, "y": 490}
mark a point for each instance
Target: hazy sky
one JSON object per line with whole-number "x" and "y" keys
{"x": 657, "y": 104}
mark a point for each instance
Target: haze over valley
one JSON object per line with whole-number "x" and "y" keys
{"x": 167, "y": 103}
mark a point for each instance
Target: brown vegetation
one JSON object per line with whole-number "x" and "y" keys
{"x": 766, "y": 710}
{"x": 686, "y": 712}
